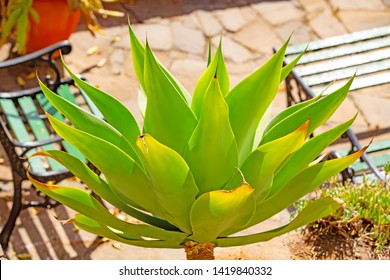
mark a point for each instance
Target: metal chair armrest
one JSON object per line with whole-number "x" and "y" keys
{"x": 63, "y": 46}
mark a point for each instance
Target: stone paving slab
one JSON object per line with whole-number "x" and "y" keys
{"x": 360, "y": 20}
{"x": 279, "y": 12}
{"x": 358, "y": 5}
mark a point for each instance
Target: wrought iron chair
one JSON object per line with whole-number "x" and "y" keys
{"x": 25, "y": 128}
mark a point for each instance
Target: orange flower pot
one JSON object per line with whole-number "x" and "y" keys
{"x": 56, "y": 23}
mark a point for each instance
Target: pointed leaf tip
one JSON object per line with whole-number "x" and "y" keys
{"x": 35, "y": 182}
{"x": 364, "y": 148}
{"x": 304, "y": 127}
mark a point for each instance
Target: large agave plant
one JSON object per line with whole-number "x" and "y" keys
{"x": 202, "y": 168}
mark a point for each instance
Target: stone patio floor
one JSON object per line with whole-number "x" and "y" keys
{"x": 180, "y": 40}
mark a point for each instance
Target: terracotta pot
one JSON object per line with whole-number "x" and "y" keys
{"x": 56, "y": 23}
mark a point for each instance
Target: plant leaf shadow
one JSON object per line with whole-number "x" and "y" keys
{"x": 40, "y": 235}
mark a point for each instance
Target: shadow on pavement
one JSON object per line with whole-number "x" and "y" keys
{"x": 141, "y": 10}
{"x": 39, "y": 235}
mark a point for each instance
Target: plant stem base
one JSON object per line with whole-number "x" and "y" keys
{"x": 199, "y": 251}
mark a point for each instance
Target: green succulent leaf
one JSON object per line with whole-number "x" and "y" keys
{"x": 127, "y": 179}
{"x": 209, "y": 55}
{"x": 249, "y": 100}
{"x": 138, "y": 55}
{"x": 312, "y": 212}
{"x": 301, "y": 184}
{"x": 215, "y": 212}
{"x": 100, "y": 187}
{"x": 89, "y": 123}
{"x": 114, "y": 112}
{"x": 212, "y": 151}
{"x": 80, "y": 201}
{"x": 142, "y": 100}
{"x": 318, "y": 112}
{"x": 307, "y": 153}
{"x": 171, "y": 179}
{"x": 286, "y": 70}
{"x": 84, "y": 203}
{"x": 216, "y": 68}
{"x": 205, "y": 167}
{"x": 259, "y": 167}
{"x": 99, "y": 229}
{"x": 289, "y": 111}
{"x": 168, "y": 117}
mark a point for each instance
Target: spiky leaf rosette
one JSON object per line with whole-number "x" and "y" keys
{"x": 198, "y": 170}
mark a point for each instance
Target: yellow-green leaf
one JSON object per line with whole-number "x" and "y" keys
{"x": 127, "y": 179}
{"x": 172, "y": 181}
{"x": 312, "y": 212}
{"x": 289, "y": 111}
{"x": 80, "y": 201}
{"x": 212, "y": 150}
{"x": 216, "y": 68}
{"x": 300, "y": 159}
{"x": 318, "y": 112}
{"x": 289, "y": 67}
{"x": 84, "y": 203}
{"x": 301, "y": 184}
{"x": 217, "y": 212}
{"x": 168, "y": 117}
{"x": 100, "y": 187}
{"x": 89, "y": 123}
{"x": 249, "y": 100}
{"x": 99, "y": 229}
{"x": 260, "y": 165}
{"x": 138, "y": 55}
{"x": 114, "y": 112}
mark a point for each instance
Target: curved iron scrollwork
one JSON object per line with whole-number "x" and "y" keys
{"x": 47, "y": 57}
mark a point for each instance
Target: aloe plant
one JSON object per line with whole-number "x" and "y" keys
{"x": 203, "y": 167}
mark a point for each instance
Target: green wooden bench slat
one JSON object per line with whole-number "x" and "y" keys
{"x": 362, "y": 70}
{"x": 340, "y": 40}
{"x": 49, "y": 108}
{"x": 358, "y": 83}
{"x": 379, "y": 160}
{"x": 19, "y": 129}
{"x": 374, "y": 147}
{"x": 344, "y": 50}
{"x": 38, "y": 127}
{"x": 344, "y": 62}
{"x": 64, "y": 91}
{"x": 379, "y": 146}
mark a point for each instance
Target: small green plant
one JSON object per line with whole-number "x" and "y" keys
{"x": 202, "y": 167}
{"x": 386, "y": 168}
{"x": 365, "y": 212}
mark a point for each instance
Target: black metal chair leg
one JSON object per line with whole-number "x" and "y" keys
{"x": 14, "y": 214}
